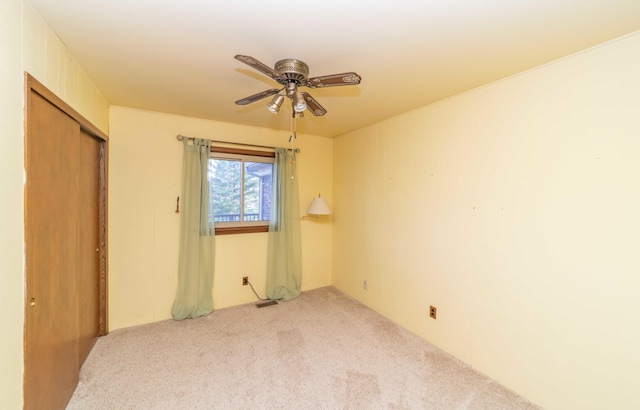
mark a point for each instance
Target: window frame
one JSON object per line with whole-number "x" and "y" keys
{"x": 246, "y": 154}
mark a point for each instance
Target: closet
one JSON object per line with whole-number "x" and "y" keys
{"x": 65, "y": 246}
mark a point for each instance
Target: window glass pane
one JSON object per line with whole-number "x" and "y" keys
{"x": 225, "y": 178}
{"x": 257, "y": 191}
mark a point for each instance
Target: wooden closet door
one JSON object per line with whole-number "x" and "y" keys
{"x": 65, "y": 246}
{"x": 52, "y": 322}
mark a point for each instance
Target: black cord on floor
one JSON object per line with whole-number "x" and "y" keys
{"x": 256, "y": 293}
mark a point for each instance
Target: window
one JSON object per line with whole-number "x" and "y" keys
{"x": 240, "y": 190}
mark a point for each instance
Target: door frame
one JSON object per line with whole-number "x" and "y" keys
{"x": 34, "y": 86}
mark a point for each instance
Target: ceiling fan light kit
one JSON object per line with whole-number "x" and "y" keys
{"x": 292, "y": 74}
{"x": 275, "y": 104}
{"x": 299, "y": 104}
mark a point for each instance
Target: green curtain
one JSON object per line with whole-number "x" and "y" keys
{"x": 284, "y": 265}
{"x": 195, "y": 268}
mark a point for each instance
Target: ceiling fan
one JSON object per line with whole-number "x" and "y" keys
{"x": 292, "y": 74}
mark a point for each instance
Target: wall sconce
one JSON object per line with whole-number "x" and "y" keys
{"x": 318, "y": 207}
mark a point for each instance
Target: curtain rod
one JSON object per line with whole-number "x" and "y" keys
{"x": 180, "y": 137}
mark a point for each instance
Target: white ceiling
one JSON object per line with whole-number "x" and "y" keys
{"x": 176, "y": 56}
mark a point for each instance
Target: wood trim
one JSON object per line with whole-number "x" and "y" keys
{"x": 240, "y": 151}
{"x": 103, "y": 239}
{"x": 242, "y": 229}
{"x": 34, "y": 85}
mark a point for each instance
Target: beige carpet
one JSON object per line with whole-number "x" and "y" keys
{"x": 323, "y": 350}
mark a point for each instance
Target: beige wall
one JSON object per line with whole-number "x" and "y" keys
{"x": 46, "y": 58}
{"x": 11, "y": 206}
{"x": 514, "y": 209}
{"x": 27, "y": 44}
{"x": 145, "y": 180}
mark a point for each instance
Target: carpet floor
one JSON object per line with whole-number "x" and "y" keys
{"x": 323, "y": 350}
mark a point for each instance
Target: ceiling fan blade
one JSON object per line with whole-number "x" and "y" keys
{"x": 333, "y": 80}
{"x": 256, "y": 97}
{"x": 313, "y": 105}
{"x": 263, "y": 68}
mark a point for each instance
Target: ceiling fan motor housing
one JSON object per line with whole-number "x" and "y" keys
{"x": 292, "y": 70}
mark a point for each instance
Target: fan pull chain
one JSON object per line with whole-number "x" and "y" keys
{"x": 292, "y": 139}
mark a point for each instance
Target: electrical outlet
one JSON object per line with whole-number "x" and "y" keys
{"x": 432, "y": 312}
{"x": 245, "y": 280}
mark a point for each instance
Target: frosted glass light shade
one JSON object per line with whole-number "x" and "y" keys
{"x": 318, "y": 207}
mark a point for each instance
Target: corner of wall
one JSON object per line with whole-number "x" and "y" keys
{"x": 12, "y": 263}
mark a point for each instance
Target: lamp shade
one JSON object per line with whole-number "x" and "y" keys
{"x": 318, "y": 207}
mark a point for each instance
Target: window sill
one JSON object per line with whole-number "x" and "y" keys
{"x": 241, "y": 229}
